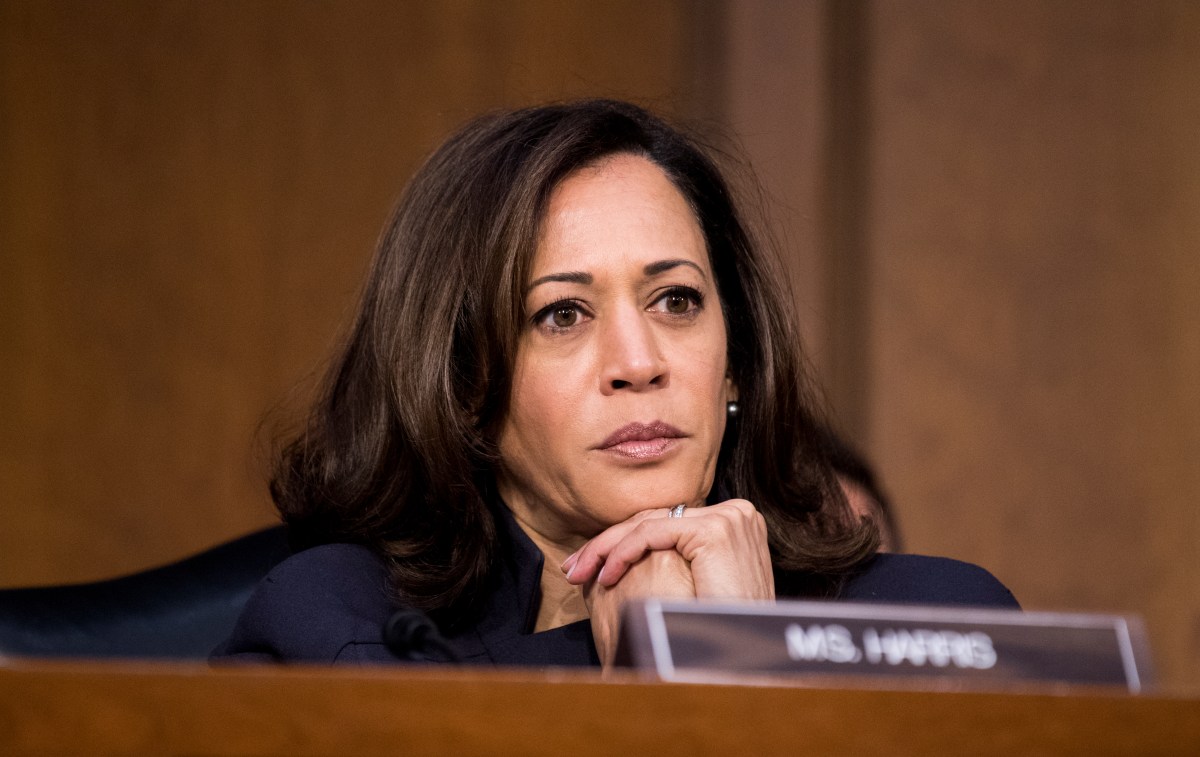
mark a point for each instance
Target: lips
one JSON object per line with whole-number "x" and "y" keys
{"x": 642, "y": 440}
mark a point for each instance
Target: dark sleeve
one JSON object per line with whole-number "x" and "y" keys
{"x": 916, "y": 579}
{"x": 326, "y": 604}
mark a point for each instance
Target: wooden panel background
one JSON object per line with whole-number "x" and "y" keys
{"x": 1034, "y": 188}
{"x": 190, "y": 194}
{"x": 989, "y": 213}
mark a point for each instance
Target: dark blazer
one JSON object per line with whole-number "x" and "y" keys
{"x": 329, "y": 604}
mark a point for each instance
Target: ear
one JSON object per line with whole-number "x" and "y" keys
{"x": 731, "y": 390}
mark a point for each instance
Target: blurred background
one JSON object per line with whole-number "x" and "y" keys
{"x": 990, "y": 213}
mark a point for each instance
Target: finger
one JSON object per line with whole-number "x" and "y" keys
{"x": 647, "y": 536}
{"x": 585, "y": 564}
{"x": 721, "y": 537}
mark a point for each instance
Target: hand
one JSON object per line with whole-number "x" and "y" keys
{"x": 662, "y": 573}
{"x": 723, "y": 547}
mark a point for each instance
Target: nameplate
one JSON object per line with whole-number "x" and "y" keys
{"x": 975, "y": 648}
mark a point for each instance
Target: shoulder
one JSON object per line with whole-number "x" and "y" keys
{"x": 917, "y": 579}
{"x": 326, "y": 604}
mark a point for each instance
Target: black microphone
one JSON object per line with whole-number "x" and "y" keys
{"x": 410, "y": 635}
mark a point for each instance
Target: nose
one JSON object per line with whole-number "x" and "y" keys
{"x": 630, "y": 354}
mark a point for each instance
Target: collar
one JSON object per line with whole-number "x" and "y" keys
{"x": 505, "y": 628}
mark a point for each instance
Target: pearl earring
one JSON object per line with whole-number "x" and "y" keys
{"x": 731, "y": 408}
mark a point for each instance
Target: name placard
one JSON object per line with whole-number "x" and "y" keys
{"x": 709, "y": 641}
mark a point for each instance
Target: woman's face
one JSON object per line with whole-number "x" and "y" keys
{"x": 620, "y": 389}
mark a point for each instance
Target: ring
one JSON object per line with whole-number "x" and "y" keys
{"x": 676, "y": 511}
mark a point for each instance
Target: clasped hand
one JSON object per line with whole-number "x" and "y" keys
{"x": 714, "y": 552}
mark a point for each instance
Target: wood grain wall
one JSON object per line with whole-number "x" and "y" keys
{"x": 189, "y": 194}
{"x": 1034, "y": 216}
{"x": 999, "y": 252}
{"x": 989, "y": 212}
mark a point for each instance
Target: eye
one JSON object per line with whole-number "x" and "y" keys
{"x": 680, "y": 301}
{"x": 677, "y": 303}
{"x": 559, "y": 316}
{"x": 564, "y": 316}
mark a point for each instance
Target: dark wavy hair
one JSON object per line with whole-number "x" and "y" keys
{"x": 400, "y": 449}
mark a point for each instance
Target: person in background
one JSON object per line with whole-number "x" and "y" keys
{"x": 863, "y": 493}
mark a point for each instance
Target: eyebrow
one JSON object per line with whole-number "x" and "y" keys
{"x": 571, "y": 277}
{"x": 580, "y": 277}
{"x": 662, "y": 266}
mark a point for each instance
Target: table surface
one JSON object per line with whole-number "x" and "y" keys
{"x": 98, "y": 708}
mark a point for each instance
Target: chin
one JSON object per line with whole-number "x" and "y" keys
{"x": 625, "y": 502}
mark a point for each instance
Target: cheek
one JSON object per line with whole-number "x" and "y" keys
{"x": 541, "y": 412}
{"x": 710, "y": 377}
{"x": 706, "y": 389}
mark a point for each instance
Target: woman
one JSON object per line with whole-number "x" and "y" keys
{"x": 572, "y": 380}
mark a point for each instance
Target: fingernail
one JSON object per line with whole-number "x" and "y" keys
{"x": 569, "y": 563}
{"x": 600, "y": 575}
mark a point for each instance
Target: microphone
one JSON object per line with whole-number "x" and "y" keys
{"x": 410, "y": 635}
